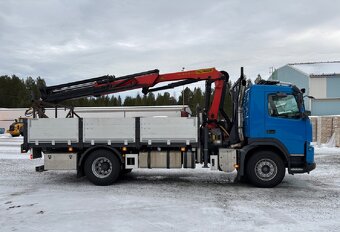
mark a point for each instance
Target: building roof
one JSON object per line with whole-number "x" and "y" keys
{"x": 318, "y": 68}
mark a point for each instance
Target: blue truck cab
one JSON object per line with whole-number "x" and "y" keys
{"x": 276, "y": 127}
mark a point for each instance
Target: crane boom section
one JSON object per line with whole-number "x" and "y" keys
{"x": 149, "y": 80}
{"x": 109, "y": 84}
{"x": 152, "y": 79}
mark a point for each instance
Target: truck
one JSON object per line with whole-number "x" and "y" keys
{"x": 267, "y": 133}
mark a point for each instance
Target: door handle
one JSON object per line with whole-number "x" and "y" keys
{"x": 271, "y": 131}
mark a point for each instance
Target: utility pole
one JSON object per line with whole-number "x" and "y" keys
{"x": 183, "y": 68}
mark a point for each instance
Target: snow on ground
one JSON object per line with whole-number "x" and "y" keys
{"x": 326, "y": 150}
{"x": 165, "y": 200}
{"x": 10, "y": 147}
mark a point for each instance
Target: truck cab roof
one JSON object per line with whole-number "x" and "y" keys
{"x": 278, "y": 85}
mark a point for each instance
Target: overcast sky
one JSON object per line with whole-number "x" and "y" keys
{"x": 62, "y": 40}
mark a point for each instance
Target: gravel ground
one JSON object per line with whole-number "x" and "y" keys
{"x": 167, "y": 200}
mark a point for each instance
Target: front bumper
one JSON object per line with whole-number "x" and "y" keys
{"x": 306, "y": 168}
{"x": 310, "y": 167}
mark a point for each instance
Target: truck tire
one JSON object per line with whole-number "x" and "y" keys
{"x": 265, "y": 169}
{"x": 102, "y": 167}
{"x": 243, "y": 179}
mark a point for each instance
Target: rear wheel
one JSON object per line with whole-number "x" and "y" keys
{"x": 102, "y": 167}
{"x": 265, "y": 169}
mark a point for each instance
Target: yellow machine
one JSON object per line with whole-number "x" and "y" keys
{"x": 16, "y": 128}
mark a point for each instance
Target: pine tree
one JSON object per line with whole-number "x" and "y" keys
{"x": 138, "y": 100}
{"x": 119, "y": 101}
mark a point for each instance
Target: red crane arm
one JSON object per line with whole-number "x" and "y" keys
{"x": 152, "y": 79}
{"x": 109, "y": 84}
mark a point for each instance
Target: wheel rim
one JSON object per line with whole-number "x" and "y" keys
{"x": 101, "y": 167}
{"x": 266, "y": 169}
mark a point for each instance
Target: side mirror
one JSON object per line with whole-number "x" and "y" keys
{"x": 310, "y": 97}
{"x": 303, "y": 90}
{"x": 306, "y": 113}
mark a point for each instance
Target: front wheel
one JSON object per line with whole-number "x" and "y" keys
{"x": 102, "y": 167}
{"x": 265, "y": 169}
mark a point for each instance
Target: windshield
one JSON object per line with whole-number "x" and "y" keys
{"x": 285, "y": 106}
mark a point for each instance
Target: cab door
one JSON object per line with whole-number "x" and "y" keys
{"x": 283, "y": 122}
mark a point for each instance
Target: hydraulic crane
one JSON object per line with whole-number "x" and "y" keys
{"x": 227, "y": 128}
{"x": 109, "y": 84}
{"x": 146, "y": 81}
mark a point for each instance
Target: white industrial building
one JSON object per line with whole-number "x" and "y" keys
{"x": 7, "y": 115}
{"x": 320, "y": 79}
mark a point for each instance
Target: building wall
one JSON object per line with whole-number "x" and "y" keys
{"x": 326, "y": 91}
{"x": 333, "y": 86}
{"x": 318, "y": 87}
{"x": 325, "y": 107}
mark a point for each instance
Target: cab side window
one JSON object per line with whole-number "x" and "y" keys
{"x": 283, "y": 106}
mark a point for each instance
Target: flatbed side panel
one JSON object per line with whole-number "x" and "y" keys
{"x": 180, "y": 130}
{"x": 58, "y": 130}
{"x": 105, "y": 130}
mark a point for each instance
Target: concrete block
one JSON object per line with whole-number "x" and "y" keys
{"x": 314, "y": 121}
{"x": 337, "y": 137}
